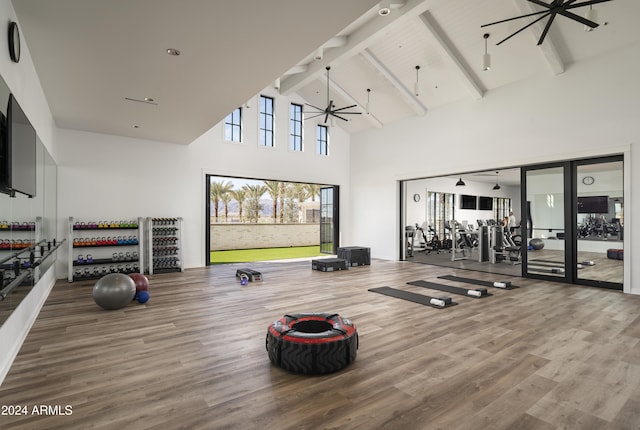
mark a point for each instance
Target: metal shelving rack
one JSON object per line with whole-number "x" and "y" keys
{"x": 164, "y": 236}
{"x": 114, "y": 246}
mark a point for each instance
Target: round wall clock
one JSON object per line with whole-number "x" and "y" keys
{"x": 14, "y": 42}
{"x": 588, "y": 180}
{"x": 416, "y": 197}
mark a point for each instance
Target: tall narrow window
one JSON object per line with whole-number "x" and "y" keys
{"x": 266, "y": 121}
{"x": 233, "y": 126}
{"x": 322, "y": 140}
{"x": 295, "y": 127}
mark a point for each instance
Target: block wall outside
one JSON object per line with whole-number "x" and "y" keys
{"x": 247, "y": 236}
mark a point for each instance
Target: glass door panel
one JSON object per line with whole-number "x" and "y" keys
{"x": 329, "y": 220}
{"x": 545, "y": 229}
{"x": 600, "y": 223}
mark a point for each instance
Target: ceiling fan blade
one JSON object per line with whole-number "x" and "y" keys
{"x": 338, "y": 116}
{"x": 546, "y": 29}
{"x": 578, "y": 18}
{"x": 326, "y": 117}
{"x": 568, "y": 3}
{"x": 586, "y": 3}
{"x": 543, "y": 4}
{"x": 315, "y": 107}
{"x": 343, "y": 108}
{"x": 524, "y": 28}
{"x": 517, "y": 17}
{"x": 316, "y": 115}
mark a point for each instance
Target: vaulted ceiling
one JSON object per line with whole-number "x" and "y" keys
{"x": 93, "y": 55}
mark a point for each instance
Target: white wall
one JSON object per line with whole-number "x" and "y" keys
{"x": 23, "y": 81}
{"x": 103, "y": 177}
{"x": 591, "y": 109}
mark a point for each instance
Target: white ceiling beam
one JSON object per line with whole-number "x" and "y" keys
{"x": 447, "y": 50}
{"x": 366, "y": 35}
{"x": 548, "y": 48}
{"x": 342, "y": 93}
{"x": 407, "y": 96}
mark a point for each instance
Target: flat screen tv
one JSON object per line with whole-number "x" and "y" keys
{"x": 18, "y": 169}
{"x": 485, "y": 203}
{"x": 593, "y": 205}
{"x": 468, "y": 202}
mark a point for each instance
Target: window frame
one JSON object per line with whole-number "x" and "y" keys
{"x": 233, "y": 125}
{"x": 296, "y": 140}
{"x": 268, "y": 119}
{"x": 320, "y": 141}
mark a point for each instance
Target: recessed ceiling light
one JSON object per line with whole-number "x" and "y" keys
{"x": 172, "y": 51}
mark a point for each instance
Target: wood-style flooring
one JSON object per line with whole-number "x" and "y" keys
{"x": 544, "y": 356}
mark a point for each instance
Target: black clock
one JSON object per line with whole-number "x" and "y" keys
{"x": 416, "y": 197}
{"x": 14, "y": 42}
{"x": 588, "y": 180}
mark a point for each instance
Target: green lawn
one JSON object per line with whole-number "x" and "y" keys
{"x": 262, "y": 254}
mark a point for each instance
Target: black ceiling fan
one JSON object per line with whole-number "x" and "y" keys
{"x": 561, "y": 7}
{"x": 331, "y": 108}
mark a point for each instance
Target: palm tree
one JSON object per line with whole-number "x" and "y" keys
{"x": 240, "y": 196}
{"x": 283, "y": 190}
{"x": 254, "y": 192}
{"x": 313, "y": 190}
{"x": 226, "y": 198}
{"x": 300, "y": 192}
{"x": 273, "y": 188}
{"x": 216, "y": 191}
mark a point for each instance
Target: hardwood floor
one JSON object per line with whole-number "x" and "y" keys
{"x": 543, "y": 356}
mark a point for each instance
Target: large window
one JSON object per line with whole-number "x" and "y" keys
{"x": 440, "y": 210}
{"x": 322, "y": 139}
{"x": 266, "y": 122}
{"x": 295, "y": 127}
{"x": 233, "y": 126}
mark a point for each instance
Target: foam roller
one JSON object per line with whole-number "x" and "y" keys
{"x": 588, "y": 263}
{"x": 437, "y": 302}
{"x": 502, "y": 284}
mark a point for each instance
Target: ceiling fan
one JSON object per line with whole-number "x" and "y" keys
{"x": 561, "y": 7}
{"x": 331, "y": 108}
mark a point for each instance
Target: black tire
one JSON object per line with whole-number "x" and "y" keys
{"x": 314, "y": 351}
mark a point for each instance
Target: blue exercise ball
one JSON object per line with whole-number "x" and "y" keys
{"x": 114, "y": 291}
{"x": 142, "y": 296}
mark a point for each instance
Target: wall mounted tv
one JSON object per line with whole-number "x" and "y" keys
{"x": 18, "y": 152}
{"x": 485, "y": 203}
{"x": 468, "y": 202}
{"x": 593, "y": 205}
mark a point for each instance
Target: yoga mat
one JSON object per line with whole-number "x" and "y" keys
{"x": 447, "y": 288}
{"x": 475, "y": 281}
{"x": 407, "y": 295}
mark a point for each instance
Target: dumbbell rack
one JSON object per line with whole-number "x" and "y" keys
{"x": 164, "y": 236}
{"x": 114, "y": 246}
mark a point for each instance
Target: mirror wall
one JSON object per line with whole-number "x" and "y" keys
{"x": 24, "y": 222}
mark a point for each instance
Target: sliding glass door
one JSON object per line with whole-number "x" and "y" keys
{"x": 574, "y": 229}
{"x": 599, "y": 222}
{"x": 545, "y": 227}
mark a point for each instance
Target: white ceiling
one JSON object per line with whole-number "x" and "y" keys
{"x": 91, "y": 54}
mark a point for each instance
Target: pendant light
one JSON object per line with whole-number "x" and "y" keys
{"x": 460, "y": 183}
{"x": 368, "y": 99}
{"x": 416, "y": 86}
{"x": 496, "y": 186}
{"x": 486, "y": 58}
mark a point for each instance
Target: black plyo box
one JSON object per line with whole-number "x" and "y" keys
{"x": 329, "y": 264}
{"x": 355, "y": 255}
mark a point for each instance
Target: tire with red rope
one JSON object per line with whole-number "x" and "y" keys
{"x": 312, "y": 343}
